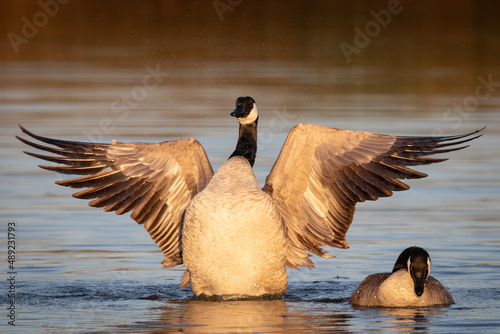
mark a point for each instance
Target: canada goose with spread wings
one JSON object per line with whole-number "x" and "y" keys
{"x": 234, "y": 238}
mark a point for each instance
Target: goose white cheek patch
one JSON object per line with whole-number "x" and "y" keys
{"x": 252, "y": 116}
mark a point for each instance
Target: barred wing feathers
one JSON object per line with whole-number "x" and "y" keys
{"x": 153, "y": 181}
{"x": 321, "y": 173}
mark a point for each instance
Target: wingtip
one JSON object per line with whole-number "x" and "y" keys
{"x": 25, "y": 141}
{"x": 60, "y": 182}
{"x": 474, "y": 132}
{"x": 26, "y": 131}
{"x": 23, "y": 129}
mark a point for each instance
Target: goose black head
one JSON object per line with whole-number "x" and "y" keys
{"x": 245, "y": 110}
{"x": 418, "y": 264}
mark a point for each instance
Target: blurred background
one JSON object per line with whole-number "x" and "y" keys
{"x": 275, "y": 49}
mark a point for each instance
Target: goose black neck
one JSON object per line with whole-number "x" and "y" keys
{"x": 247, "y": 142}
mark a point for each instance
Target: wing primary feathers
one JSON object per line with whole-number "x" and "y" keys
{"x": 133, "y": 177}
{"x": 364, "y": 189}
{"x": 66, "y": 153}
{"x": 399, "y": 161}
{"x": 113, "y": 189}
{"x": 373, "y": 183}
{"x": 438, "y": 139}
{"x": 322, "y": 173}
{"x": 76, "y": 162}
{"x": 394, "y": 172}
{"x": 87, "y": 170}
{"x": 410, "y": 153}
{"x": 75, "y": 145}
{"x": 95, "y": 180}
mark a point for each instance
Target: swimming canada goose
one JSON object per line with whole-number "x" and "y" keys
{"x": 409, "y": 284}
{"x": 234, "y": 238}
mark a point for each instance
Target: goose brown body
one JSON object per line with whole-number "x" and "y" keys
{"x": 398, "y": 289}
{"x": 233, "y": 237}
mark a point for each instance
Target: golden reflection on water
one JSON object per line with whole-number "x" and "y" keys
{"x": 255, "y": 316}
{"x": 225, "y": 317}
{"x": 409, "y": 319}
{"x": 281, "y": 316}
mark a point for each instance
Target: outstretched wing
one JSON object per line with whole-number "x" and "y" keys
{"x": 155, "y": 181}
{"x": 321, "y": 173}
